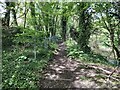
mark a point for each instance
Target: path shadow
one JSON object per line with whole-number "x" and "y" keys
{"x": 63, "y": 72}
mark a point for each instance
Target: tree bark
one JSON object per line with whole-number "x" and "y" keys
{"x": 25, "y": 16}
{"x": 14, "y": 13}
{"x": 6, "y": 20}
{"x": 64, "y": 27}
{"x": 84, "y": 28}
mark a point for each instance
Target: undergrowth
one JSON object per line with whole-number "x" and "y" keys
{"x": 21, "y": 70}
{"x": 73, "y": 51}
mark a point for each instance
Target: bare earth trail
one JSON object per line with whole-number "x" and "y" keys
{"x": 63, "y": 72}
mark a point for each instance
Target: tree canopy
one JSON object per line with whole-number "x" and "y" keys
{"x": 36, "y": 34}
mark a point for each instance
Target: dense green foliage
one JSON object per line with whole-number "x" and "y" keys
{"x": 74, "y": 52}
{"x": 21, "y": 73}
{"x": 32, "y": 31}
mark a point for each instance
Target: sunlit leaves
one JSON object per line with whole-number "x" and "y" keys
{"x": 29, "y": 35}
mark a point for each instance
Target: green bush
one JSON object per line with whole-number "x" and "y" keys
{"x": 73, "y": 51}
{"x": 20, "y": 67}
{"x": 20, "y": 71}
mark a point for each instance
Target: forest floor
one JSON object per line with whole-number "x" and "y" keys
{"x": 63, "y": 72}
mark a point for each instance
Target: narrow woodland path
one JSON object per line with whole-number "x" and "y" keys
{"x": 63, "y": 72}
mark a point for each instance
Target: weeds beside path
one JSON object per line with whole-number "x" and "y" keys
{"x": 62, "y": 72}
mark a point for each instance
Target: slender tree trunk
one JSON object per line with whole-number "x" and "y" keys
{"x": 47, "y": 24}
{"x": 6, "y": 20}
{"x": 51, "y": 25}
{"x": 55, "y": 24}
{"x": 53, "y": 20}
{"x": 25, "y": 16}
{"x": 64, "y": 27}
{"x": 118, "y": 36}
{"x": 14, "y": 13}
{"x": 32, "y": 7}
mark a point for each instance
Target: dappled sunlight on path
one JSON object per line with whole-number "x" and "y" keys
{"x": 63, "y": 72}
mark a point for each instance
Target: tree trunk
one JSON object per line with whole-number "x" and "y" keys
{"x": 6, "y": 20}
{"x": 113, "y": 45}
{"x": 84, "y": 29}
{"x": 47, "y": 25}
{"x": 51, "y": 25}
{"x": 64, "y": 27}
{"x": 34, "y": 23}
{"x": 25, "y": 16}
{"x": 32, "y": 8}
{"x": 14, "y": 13}
{"x": 118, "y": 36}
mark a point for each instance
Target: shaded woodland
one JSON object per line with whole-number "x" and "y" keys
{"x": 60, "y": 44}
